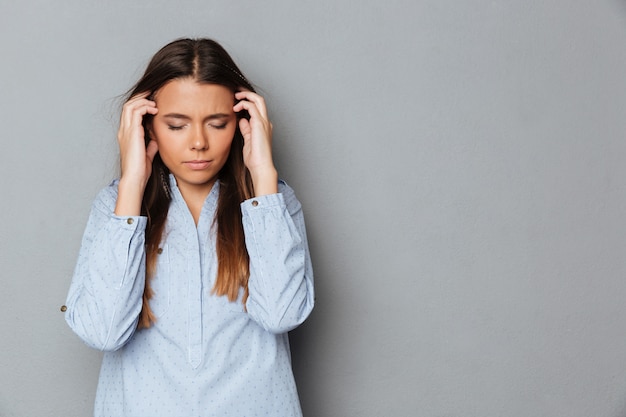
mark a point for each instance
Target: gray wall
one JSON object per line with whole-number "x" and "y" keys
{"x": 461, "y": 168}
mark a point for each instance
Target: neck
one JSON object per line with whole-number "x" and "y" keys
{"x": 195, "y": 196}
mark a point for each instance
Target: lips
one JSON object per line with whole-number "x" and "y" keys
{"x": 197, "y": 164}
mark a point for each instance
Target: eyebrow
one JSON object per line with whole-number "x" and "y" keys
{"x": 185, "y": 117}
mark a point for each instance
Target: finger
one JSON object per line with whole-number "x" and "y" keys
{"x": 132, "y": 115}
{"x": 244, "y": 127}
{"x": 135, "y": 104}
{"x": 252, "y": 109}
{"x": 259, "y": 101}
{"x": 250, "y": 96}
{"x": 138, "y": 101}
{"x": 131, "y": 106}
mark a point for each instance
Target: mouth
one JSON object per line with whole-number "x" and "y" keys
{"x": 197, "y": 164}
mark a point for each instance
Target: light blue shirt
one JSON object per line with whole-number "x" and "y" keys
{"x": 205, "y": 356}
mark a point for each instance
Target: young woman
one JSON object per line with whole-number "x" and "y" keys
{"x": 194, "y": 265}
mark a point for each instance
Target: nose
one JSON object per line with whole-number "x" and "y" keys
{"x": 199, "y": 139}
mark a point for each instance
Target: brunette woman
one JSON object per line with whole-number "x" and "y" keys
{"x": 194, "y": 264}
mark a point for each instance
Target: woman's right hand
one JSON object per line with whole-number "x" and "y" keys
{"x": 136, "y": 158}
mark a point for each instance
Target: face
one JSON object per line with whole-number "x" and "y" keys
{"x": 194, "y": 129}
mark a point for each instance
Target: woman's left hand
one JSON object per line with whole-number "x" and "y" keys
{"x": 257, "y": 148}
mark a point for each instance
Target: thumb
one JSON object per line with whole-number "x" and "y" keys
{"x": 244, "y": 127}
{"x": 151, "y": 150}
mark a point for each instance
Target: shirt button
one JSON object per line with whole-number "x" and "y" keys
{"x": 130, "y": 221}
{"x": 63, "y": 309}
{"x": 255, "y": 203}
{"x": 160, "y": 251}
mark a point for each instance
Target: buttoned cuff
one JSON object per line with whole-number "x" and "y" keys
{"x": 262, "y": 203}
{"x": 131, "y": 223}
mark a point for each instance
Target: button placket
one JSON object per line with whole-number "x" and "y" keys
{"x": 195, "y": 307}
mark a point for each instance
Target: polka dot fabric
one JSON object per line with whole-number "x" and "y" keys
{"x": 205, "y": 356}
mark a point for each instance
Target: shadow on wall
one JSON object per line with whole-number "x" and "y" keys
{"x": 302, "y": 343}
{"x": 308, "y": 341}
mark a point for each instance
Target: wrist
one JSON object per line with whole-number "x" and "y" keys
{"x": 129, "y": 197}
{"x": 265, "y": 181}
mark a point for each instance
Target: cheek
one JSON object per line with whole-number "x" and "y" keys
{"x": 163, "y": 136}
{"x": 166, "y": 145}
{"x": 226, "y": 141}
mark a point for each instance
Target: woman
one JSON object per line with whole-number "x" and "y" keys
{"x": 194, "y": 265}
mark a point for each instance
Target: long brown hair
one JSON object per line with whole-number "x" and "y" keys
{"x": 205, "y": 61}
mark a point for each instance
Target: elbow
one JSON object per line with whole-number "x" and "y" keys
{"x": 293, "y": 316}
{"x": 281, "y": 327}
{"x": 98, "y": 335}
{"x": 116, "y": 341}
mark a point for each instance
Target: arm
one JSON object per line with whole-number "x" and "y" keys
{"x": 105, "y": 296}
{"x": 281, "y": 294}
{"x": 280, "y": 286}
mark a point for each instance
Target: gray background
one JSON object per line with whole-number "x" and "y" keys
{"x": 461, "y": 168}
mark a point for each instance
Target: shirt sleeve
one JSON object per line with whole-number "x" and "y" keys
{"x": 105, "y": 296}
{"x": 281, "y": 294}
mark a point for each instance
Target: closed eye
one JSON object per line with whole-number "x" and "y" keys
{"x": 174, "y": 127}
{"x": 220, "y": 126}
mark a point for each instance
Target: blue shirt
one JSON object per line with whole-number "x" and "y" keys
{"x": 205, "y": 356}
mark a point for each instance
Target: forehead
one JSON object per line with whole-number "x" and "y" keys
{"x": 188, "y": 96}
